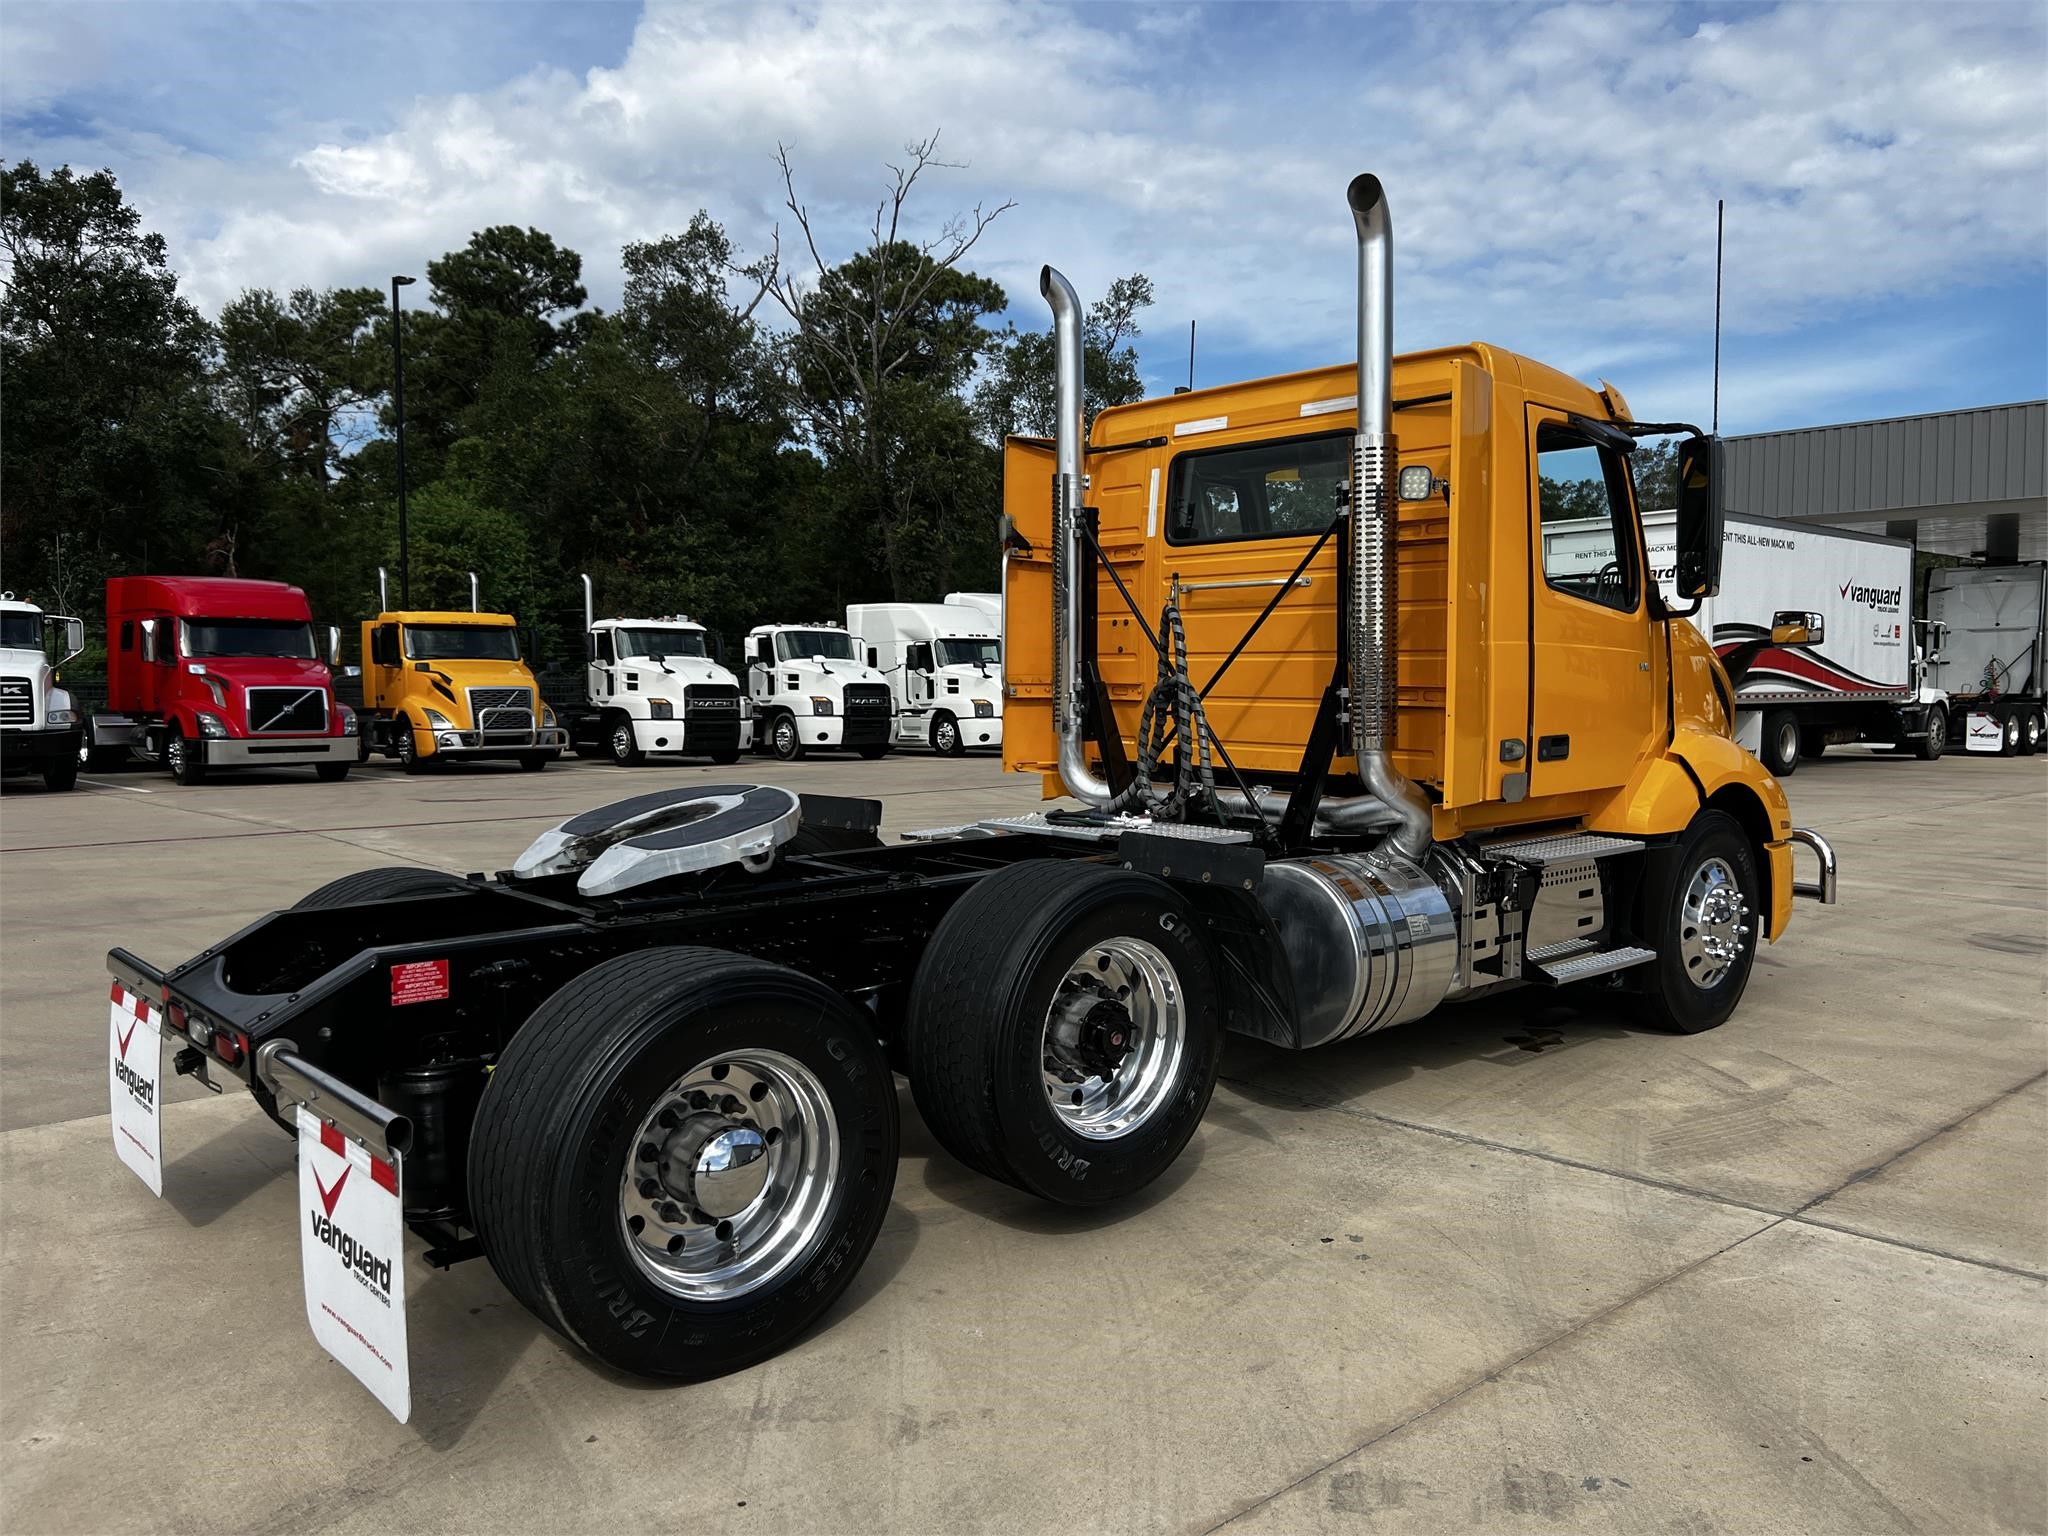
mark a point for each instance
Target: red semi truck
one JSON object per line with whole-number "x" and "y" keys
{"x": 207, "y": 672}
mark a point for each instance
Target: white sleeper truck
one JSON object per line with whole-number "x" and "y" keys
{"x": 1862, "y": 677}
{"x": 1995, "y": 622}
{"x": 653, "y": 686}
{"x": 812, "y": 691}
{"x": 944, "y": 663}
{"x": 39, "y": 730}
{"x": 988, "y": 604}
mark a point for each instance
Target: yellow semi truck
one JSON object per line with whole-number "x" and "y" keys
{"x": 1344, "y": 746}
{"x": 442, "y": 687}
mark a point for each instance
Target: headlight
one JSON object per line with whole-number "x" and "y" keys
{"x": 547, "y": 714}
{"x": 820, "y": 705}
{"x": 660, "y": 709}
{"x": 211, "y": 726}
{"x": 348, "y": 721}
{"x": 62, "y": 717}
{"x": 436, "y": 721}
{"x": 984, "y": 708}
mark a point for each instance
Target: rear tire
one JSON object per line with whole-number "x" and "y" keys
{"x": 615, "y": 1261}
{"x": 1703, "y": 925}
{"x": 2030, "y": 734}
{"x": 1024, "y": 971}
{"x": 331, "y": 773}
{"x": 386, "y": 883}
{"x": 1930, "y": 747}
{"x": 2009, "y": 736}
{"x": 1812, "y": 744}
{"x": 1779, "y": 748}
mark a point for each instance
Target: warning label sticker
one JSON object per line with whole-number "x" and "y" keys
{"x": 419, "y": 981}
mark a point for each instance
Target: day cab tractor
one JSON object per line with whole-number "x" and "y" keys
{"x": 811, "y": 690}
{"x": 1343, "y": 750}
{"x": 39, "y": 730}
{"x": 653, "y": 687}
{"x": 442, "y": 687}
{"x": 212, "y": 672}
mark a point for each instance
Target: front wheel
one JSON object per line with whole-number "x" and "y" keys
{"x": 726, "y": 759}
{"x": 185, "y": 756}
{"x": 785, "y": 740}
{"x": 535, "y": 762}
{"x": 1779, "y": 749}
{"x": 682, "y": 1159}
{"x": 946, "y": 739}
{"x": 61, "y": 773}
{"x": 1703, "y": 924}
{"x": 409, "y": 756}
{"x": 874, "y": 752}
{"x": 331, "y": 773}
{"x": 1935, "y": 742}
{"x": 623, "y": 744}
{"x": 1063, "y": 1031}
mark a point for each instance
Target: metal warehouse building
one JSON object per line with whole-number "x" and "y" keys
{"x": 1972, "y": 483}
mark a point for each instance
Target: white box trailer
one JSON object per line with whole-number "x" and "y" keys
{"x": 1861, "y": 681}
{"x": 1995, "y": 619}
{"x": 944, "y": 663}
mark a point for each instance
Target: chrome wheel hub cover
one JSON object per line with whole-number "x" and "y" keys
{"x": 1114, "y": 1035}
{"x": 1713, "y": 923}
{"x": 728, "y": 1180}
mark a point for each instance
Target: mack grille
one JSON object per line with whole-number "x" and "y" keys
{"x": 17, "y": 705}
{"x": 502, "y": 710}
{"x": 868, "y": 715}
{"x": 711, "y": 719}
{"x": 276, "y": 711}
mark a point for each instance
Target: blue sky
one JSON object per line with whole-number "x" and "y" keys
{"x": 1552, "y": 169}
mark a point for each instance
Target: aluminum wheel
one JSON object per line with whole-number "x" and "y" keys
{"x": 1113, "y": 1039}
{"x": 1712, "y": 923}
{"x": 729, "y": 1178}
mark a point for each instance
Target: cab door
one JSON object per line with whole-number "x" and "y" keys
{"x": 1592, "y": 707}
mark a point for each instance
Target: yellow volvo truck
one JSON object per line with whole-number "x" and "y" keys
{"x": 1344, "y": 745}
{"x": 441, "y": 687}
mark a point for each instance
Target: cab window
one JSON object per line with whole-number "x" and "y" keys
{"x": 1589, "y": 547}
{"x": 1280, "y": 490}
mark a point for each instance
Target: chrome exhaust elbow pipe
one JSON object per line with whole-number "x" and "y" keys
{"x": 1068, "y": 484}
{"x": 1369, "y": 628}
{"x": 589, "y": 610}
{"x": 383, "y": 591}
{"x": 474, "y": 605}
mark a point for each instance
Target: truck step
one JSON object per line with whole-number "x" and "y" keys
{"x": 1538, "y": 851}
{"x": 1584, "y": 963}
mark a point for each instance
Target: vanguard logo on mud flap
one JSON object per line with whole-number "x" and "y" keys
{"x": 140, "y": 1087}
{"x": 373, "y": 1271}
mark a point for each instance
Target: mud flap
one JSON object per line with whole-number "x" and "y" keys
{"x": 352, "y": 1252}
{"x": 135, "y": 1075}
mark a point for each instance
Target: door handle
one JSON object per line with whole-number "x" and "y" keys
{"x": 1264, "y": 581}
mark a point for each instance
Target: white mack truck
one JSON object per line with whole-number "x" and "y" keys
{"x": 654, "y": 686}
{"x": 944, "y": 663}
{"x": 39, "y": 730}
{"x": 811, "y": 689}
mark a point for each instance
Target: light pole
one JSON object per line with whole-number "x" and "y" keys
{"x": 398, "y": 414}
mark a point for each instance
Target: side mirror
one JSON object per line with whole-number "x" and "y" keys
{"x": 1701, "y": 482}
{"x": 873, "y": 659}
{"x": 590, "y": 645}
{"x": 351, "y": 671}
{"x": 70, "y": 636}
{"x": 764, "y": 652}
{"x": 1791, "y": 627}
{"x": 333, "y": 645}
{"x": 148, "y": 628}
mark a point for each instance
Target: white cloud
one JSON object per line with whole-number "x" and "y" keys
{"x": 1553, "y": 173}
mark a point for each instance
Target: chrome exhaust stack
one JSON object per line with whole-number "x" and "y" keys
{"x": 1370, "y": 625}
{"x": 383, "y": 591}
{"x": 474, "y": 605}
{"x": 589, "y": 608}
{"x": 1068, "y": 484}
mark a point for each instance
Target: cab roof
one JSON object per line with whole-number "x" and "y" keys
{"x": 680, "y": 621}
{"x": 208, "y": 597}
{"x": 451, "y": 616}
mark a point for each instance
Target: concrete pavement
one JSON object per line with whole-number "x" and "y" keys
{"x": 1510, "y": 1267}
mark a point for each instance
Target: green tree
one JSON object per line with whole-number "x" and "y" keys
{"x": 1016, "y": 395}
{"x": 111, "y": 454}
{"x": 299, "y": 375}
{"x": 884, "y": 345}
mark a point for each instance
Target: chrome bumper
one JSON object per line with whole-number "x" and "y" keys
{"x": 258, "y": 752}
{"x": 1823, "y": 889}
{"x": 490, "y": 742}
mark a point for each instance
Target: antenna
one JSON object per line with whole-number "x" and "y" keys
{"x": 1720, "y": 214}
{"x": 1191, "y": 357}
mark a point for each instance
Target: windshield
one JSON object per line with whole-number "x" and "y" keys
{"x": 21, "y": 631}
{"x": 660, "y": 642}
{"x": 461, "y": 642}
{"x": 248, "y": 637}
{"x": 961, "y": 653}
{"x": 832, "y": 644}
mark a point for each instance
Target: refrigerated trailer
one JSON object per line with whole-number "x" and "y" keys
{"x": 1992, "y": 661}
{"x": 648, "y": 1071}
{"x": 1861, "y": 676}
